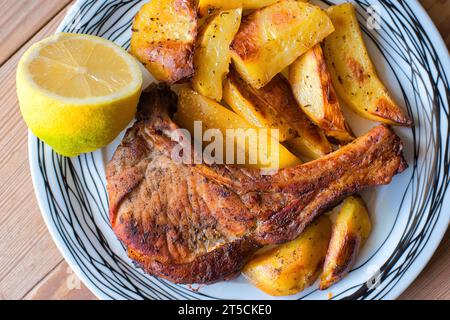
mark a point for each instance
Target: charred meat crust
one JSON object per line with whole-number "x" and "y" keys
{"x": 199, "y": 223}
{"x": 223, "y": 263}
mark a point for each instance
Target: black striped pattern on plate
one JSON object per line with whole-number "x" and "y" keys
{"x": 72, "y": 193}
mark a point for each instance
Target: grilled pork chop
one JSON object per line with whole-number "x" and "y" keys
{"x": 200, "y": 223}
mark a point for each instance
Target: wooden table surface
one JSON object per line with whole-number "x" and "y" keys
{"x": 31, "y": 266}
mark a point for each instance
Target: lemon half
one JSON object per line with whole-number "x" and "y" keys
{"x": 77, "y": 92}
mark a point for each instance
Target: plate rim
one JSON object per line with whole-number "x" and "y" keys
{"x": 407, "y": 280}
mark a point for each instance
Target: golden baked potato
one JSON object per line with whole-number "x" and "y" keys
{"x": 273, "y": 37}
{"x": 212, "y": 53}
{"x": 192, "y": 106}
{"x": 163, "y": 38}
{"x": 251, "y": 105}
{"x": 353, "y": 73}
{"x": 350, "y": 230}
{"x": 291, "y": 267}
{"x": 314, "y": 92}
{"x": 274, "y": 106}
{"x": 257, "y": 4}
{"x": 208, "y": 7}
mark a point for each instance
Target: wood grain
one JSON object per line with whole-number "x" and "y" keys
{"x": 434, "y": 280}
{"x": 26, "y": 246}
{"x": 22, "y": 19}
{"x": 30, "y": 265}
{"x": 60, "y": 283}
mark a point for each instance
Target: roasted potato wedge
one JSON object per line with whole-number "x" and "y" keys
{"x": 251, "y": 104}
{"x": 314, "y": 92}
{"x": 306, "y": 150}
{"x": 350, "y": 231}
{"x": 212, "y": 53}
{"x": 353, "y": 73}
{"x": 192, "y": 106}
{"x": 291, "y": 267}
{"x": 274, "y": 106}
{"x": 208, "y": 7}
{"x": 163, "y": 38}
{"x": 257, "y": 4}
{"x": 273, "y": 37}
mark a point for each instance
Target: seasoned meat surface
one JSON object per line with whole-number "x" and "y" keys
{"x": 197, "y": 223}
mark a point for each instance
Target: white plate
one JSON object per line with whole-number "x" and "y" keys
{"x": 410, "y": 215}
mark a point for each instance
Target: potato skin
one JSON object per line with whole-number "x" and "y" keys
{"x": 353, "y": 73}
{"x": 291, "y": 267}
{"x": 307, "y": 149}
{"x": 257, "y": 4}
{"x": 212, "y": 54}
{"x": 163, "y": 38}
{"x": 350, "y": 231}
{"x": 314, "y": 92}
{"x": 274, "y": 106}
{"x": 256, "y": 105}
{"x": 271, "y": 38}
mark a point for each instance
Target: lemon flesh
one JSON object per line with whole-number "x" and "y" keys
{"x": 77, "y": 92}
